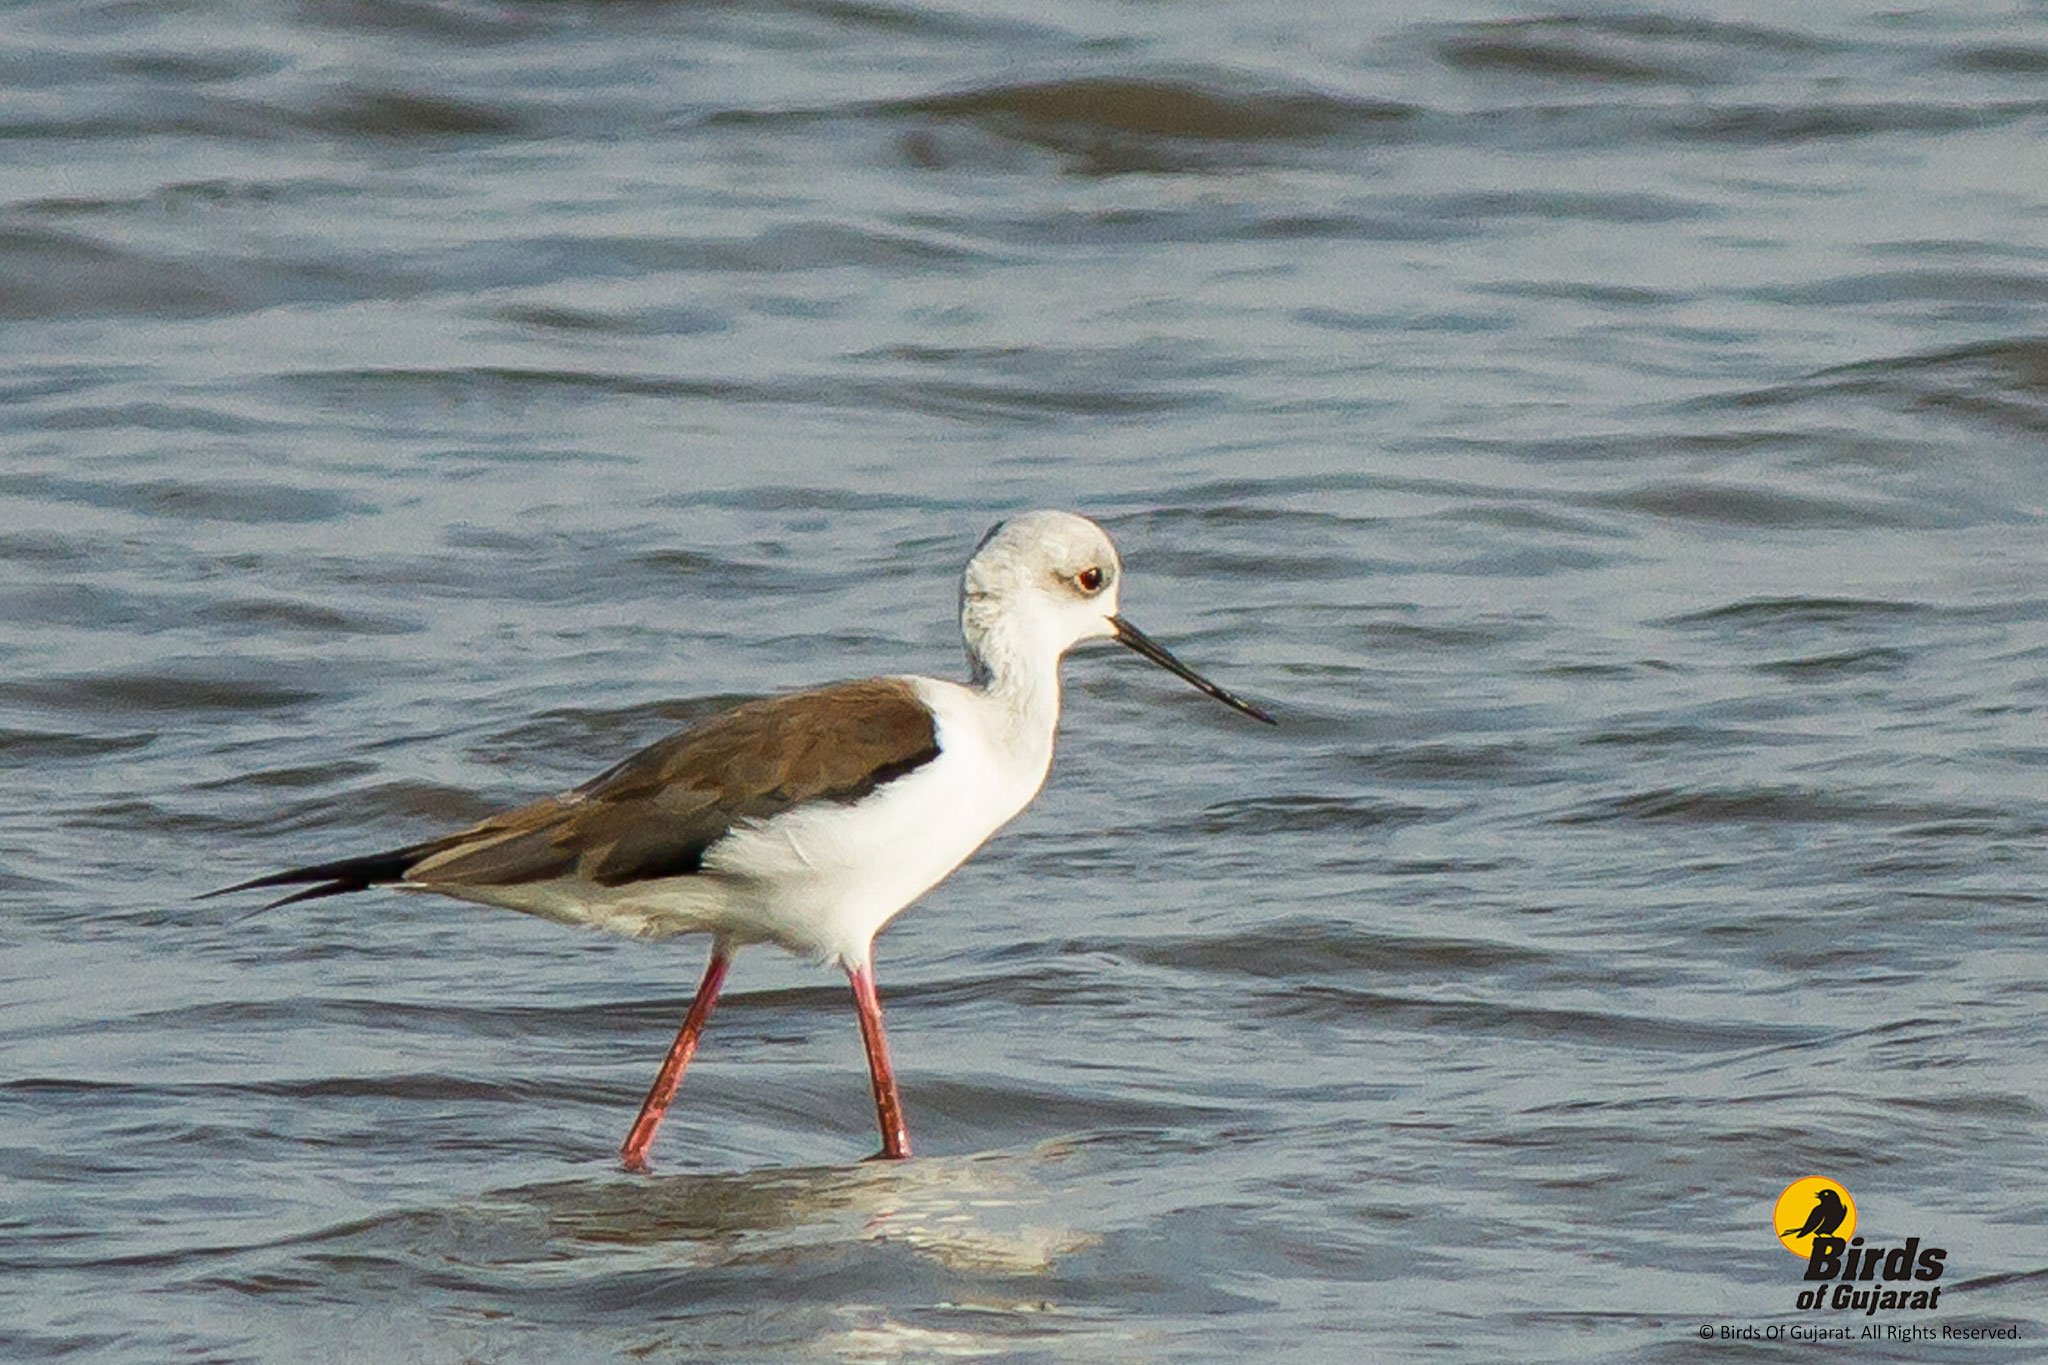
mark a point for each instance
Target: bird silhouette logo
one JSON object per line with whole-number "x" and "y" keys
{"x": 1813, "y": 1206}
{"x": 1828, "y": 1213}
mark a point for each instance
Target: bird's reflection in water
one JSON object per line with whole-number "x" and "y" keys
{"x": 959, "y": 1257}
{"x": 977, "y": 1215}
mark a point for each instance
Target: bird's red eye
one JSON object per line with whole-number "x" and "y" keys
{"x": 1089, "y": 579}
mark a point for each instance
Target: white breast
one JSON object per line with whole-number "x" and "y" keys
{"x": 824, "y": 878}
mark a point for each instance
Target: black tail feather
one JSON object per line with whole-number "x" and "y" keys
{"x": 337, "y": 878}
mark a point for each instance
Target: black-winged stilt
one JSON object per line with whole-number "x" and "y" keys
{"x": 807, "y": 820}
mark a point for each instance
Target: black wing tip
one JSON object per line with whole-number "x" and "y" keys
{"x": 331, "y": 879}
{"x": 274, "y": 879}
{"x": 314, "y": 893}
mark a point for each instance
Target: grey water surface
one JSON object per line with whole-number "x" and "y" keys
{"x": 1613, "y": 439}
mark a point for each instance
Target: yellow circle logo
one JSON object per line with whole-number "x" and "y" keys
{"x": 1811, "y": 1207}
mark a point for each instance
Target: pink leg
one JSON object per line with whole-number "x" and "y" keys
{"x": 888, "y": 1104}
{"x": 634, "y": 1152}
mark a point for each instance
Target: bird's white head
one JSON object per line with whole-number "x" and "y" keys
{"x": 1038, "y": 584}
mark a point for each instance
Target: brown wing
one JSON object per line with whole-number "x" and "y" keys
{"x": 655, "y": 814}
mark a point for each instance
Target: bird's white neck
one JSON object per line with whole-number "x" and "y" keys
{"x": 1014, "y": 668}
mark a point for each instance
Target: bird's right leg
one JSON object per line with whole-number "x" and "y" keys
{"x": 888, "y": 1104}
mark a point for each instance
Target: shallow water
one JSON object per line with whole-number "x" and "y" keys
{"x": 1610, "y": 440}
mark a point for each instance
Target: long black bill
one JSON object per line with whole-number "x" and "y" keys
{"x": 1132, "y": 638}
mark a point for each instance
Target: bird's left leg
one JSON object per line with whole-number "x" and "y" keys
{"x": 634, "y": 1153}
